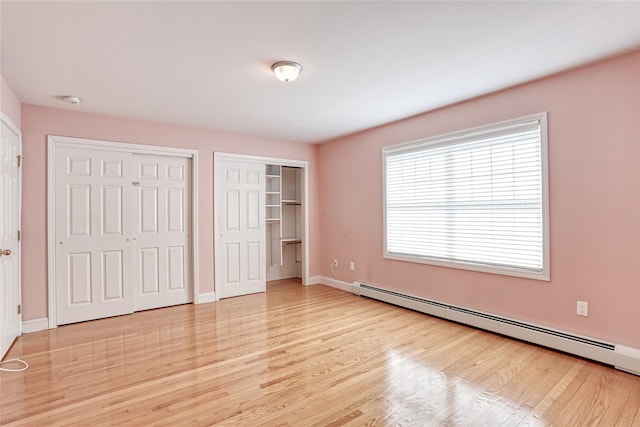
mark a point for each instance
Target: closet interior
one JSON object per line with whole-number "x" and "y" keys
{"x": 284, "y": 226}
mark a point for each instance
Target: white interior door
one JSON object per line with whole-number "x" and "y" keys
{"x": 93, "y": 232}
{"x": 240, "y": 259}
{"x": 10, "y": 317}
{"x": 162, "y": 227}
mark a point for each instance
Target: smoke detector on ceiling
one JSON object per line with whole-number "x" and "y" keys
{"x": 71, "y": 99}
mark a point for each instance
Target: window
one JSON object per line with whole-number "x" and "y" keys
{"x": 475, "y": 199}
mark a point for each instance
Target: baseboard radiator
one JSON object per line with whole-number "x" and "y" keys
{"x": 574, "y": 344}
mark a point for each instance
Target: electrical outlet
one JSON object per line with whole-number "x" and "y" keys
{"x": 352, "y": 266}
{"x": 335, "y": 262}
{"x": 582, "y": 308}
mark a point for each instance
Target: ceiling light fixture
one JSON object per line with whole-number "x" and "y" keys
{"x": 287, "y": 71}
{"x": 71, "y": 99}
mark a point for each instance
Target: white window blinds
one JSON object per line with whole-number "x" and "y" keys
{"x": 473, "y": 198}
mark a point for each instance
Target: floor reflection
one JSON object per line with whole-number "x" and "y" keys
{"x": 424, "y": 394}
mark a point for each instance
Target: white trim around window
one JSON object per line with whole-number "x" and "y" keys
{"x": 477, "y": 199}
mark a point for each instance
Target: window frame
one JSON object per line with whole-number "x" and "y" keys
{"x": 459, "y": 137}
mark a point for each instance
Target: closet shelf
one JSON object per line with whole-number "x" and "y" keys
{"x": 283, "y": 218}
{"x": 290, "y": 241}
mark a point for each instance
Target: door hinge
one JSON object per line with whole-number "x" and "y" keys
{"x": 19, "y": 160}
{"x": 20, "y": 309}
{"x": 18, "y": 235}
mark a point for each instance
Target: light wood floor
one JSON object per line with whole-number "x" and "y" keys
{"x": 303, "y": 356}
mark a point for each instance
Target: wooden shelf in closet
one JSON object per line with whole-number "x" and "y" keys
{"x": 290, "y": 241}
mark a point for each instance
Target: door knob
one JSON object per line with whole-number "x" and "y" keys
{"x": 5, "y": 252}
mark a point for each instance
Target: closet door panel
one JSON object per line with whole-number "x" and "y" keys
{"x": 240, "y": 255}
{"x": 161, "y": 238}
{"x": 93, "y": 261}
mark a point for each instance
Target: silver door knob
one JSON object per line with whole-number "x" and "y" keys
{"x": 5, "y": 252}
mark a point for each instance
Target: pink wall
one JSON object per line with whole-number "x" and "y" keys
{"x": 9, "y": 103}
{"x": 38, "y": 122}
{"x": 594, "y": 162}
{"x": 594, "y": 159}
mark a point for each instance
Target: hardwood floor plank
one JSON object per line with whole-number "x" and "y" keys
{"x": 302, "y": 356}
{"x": 616, "y": 405}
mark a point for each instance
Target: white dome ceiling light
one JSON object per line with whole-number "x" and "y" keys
{"x": 286, "y": 71}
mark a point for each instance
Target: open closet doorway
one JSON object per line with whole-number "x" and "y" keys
{"x": 260, "y": 222}
{"x": 284, "y": 221}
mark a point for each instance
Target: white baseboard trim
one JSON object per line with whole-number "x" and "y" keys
{"x": 282, "y": 275}
{"x": 313, "y": 280}
{"x": 205, "y": 298}
{"x": 627, "y": 359}
{"x": 35, "y": 325}
{"x": 338, "y": 284}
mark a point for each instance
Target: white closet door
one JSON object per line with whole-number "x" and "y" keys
{"x": 10, "y": 318}
{"x": 162, "y": 191}
{"x": 93, "y": 231}
{"x": 240, "y": 266}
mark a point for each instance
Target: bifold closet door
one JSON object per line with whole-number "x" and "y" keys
{"x": 161, "y": 218}
{"x": 122, "y": 233}
{"x": 93, "y": 260}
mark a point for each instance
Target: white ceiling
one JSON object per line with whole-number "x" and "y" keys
{"x": 207, "y": 64}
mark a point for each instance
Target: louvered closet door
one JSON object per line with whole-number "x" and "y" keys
{"x": 93, "y": 231}
{"x": 161, "y": 217}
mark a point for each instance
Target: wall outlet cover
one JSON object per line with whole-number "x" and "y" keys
{"x": 582, "y": 308}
